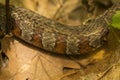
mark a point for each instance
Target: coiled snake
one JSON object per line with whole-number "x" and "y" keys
{"x": 55, "y": 37}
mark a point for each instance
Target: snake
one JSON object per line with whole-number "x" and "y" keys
{"x": 55, "y": 37}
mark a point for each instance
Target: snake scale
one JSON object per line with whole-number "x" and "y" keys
{"x": 55, "y": 37}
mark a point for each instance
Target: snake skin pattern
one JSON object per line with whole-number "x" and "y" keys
{"x": 55, "y": 37}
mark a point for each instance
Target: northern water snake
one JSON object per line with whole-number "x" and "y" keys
{"x": 55, "y": 37}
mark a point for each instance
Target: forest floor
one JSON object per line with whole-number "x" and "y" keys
{"x": 29, "y": 63}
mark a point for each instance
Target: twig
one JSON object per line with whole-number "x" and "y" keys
{"x": 58, "y": 10}
{"x": 68, "y": 74}
{"x": 7, "y": 17}
{"x": 105, "y": 72}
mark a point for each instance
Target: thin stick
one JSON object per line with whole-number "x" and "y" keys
{"x": 105, "y": 72}
{"x": 56, "y": 15}
{"x": 7, "y": 17}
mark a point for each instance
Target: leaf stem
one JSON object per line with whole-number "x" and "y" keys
{"x": 116, "y": 36}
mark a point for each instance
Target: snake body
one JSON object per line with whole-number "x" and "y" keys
{"x": 55, "y": 37}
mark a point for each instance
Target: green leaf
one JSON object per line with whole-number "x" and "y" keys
{"x": 116, "y": 20}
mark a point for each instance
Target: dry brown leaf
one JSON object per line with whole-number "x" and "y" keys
{"x": 29, "y": 63}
